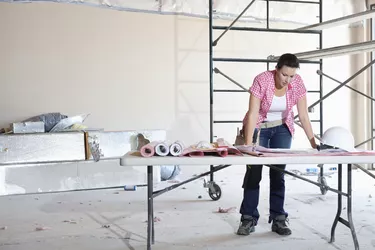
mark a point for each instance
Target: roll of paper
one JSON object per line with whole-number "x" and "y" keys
{"x": 176, "y": 148}
{"x": 222, "y": 153}
{"x": 192, "y": 151}
{"x": 148, "y": 150}
{"x": 162, "y": 149}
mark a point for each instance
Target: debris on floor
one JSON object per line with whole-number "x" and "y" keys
{"x": 226, "y": 210}
{"x": 315, "y": 171}
{"x": 174, "y": 181}
{"x": 3, "y": 228}
{"x": 70, "y": 221}
{"x": 106, "y": 226}
{"x": 130, "y": 188}
{"x": 42, "y": 228}
{"x": 156, "y": 219}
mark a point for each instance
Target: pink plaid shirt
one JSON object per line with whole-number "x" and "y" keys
{"x": 264, "y": 86}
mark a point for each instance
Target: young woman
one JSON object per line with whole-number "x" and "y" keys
{"x": 270, "y": 122}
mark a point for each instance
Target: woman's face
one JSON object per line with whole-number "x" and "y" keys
{"x": 284, "y": 76}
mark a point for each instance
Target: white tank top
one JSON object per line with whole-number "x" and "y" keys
{"x": 278, "y": 108}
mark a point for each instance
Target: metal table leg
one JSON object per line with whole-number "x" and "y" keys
{"x": 150, "y": 210}
{"x": 339, "y": 204}
{"x": 338, "y": 218}
{"x": 350, "y": 219}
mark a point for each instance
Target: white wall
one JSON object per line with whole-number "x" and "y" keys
{"x": 73, "y": 59}
{"x": 143, "y": 71}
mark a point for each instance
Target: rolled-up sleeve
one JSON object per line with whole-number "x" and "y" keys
{"x": 256, "y": 89}
{"x": 300, "y": 89}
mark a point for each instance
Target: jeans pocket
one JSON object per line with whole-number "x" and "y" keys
{"x": 284, "y": 129}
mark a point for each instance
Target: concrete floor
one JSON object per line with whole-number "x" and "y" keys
{"x": 115, "y": 219}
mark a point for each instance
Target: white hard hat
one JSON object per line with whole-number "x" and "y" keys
{"x": 339, "y": 137}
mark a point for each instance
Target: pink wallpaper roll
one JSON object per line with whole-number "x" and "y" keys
{"x": 148, "y": 150}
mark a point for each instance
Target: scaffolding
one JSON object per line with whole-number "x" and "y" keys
{"x": 305, "y": 57}
{"x": 267, "y": 61}
{"x": 309, "y": 57}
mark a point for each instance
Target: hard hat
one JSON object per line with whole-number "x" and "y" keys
{"x": 339, "y": 137}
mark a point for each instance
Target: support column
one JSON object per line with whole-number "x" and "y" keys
{"x": 360, "y": 121}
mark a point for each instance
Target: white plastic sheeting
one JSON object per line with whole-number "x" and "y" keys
{"x": 223, "y": 9}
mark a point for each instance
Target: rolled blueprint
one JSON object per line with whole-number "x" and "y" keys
{"x": 148, "y": 150}
{"x": 196, "y": 153}
{"x": 222, "y": 153}
{"x": 162, "y": 148}
{"x": 192, "y": 151}
{"x": 176, "y": 148}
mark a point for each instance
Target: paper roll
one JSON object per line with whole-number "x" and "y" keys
{"x": 176, "y": 148}
{"x": 148, "y": 150}
{"x": 222, "y": 153}
{"x": 162, "y": 149}
{"x": 196, "y": 153}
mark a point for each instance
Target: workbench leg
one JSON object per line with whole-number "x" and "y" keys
{"x": 150, "y": 210}
{"x": 350, "y": 219}
{"x": 339, "y": 204}
{"x": 349, "y": 223}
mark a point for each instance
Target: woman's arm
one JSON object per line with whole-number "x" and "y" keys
{"x": 305, "y": 120}
{"x": 252, "y": 118}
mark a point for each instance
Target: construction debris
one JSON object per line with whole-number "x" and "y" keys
{"x": 226, "y": 210}
{"x": 156, "y": 219}
{"x": 70, "y": 221}
{"x": 41, "y": 228}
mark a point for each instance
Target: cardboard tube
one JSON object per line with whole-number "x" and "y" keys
{"x": 148, "y": 150}
{"x": 176, "y": 148}
{"x": 162, "y": 149}
{"x": 222, "y": 153}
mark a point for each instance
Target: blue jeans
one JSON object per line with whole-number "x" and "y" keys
{"x": 276, "y": 137}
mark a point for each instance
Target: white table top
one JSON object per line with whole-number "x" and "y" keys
{"x": 131, "y": 160}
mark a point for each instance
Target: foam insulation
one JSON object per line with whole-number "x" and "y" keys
{"x": 299, "y": 13}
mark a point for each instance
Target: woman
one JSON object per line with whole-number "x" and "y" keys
{"x": 270, "y": 122}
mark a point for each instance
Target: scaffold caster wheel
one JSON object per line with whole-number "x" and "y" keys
{"x": 322, "y": 180}
{"x": 214, "y": 191}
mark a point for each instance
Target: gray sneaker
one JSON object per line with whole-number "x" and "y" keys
{"x": 247, "y": 226}
{"x": 279, "y": 225}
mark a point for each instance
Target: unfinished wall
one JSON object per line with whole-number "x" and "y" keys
{"x": 75, "y": 59}
{"x": 143, "y": 71}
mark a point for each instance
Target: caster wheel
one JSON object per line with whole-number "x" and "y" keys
{"x": 214, "y": 192}
{"x": 323, "y": 181}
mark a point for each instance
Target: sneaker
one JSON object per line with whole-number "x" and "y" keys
{"x": 247, "y": 226}
{"x": 279, "y": 225}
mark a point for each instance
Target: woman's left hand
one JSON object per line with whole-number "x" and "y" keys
{"x": 313, "y": 143}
